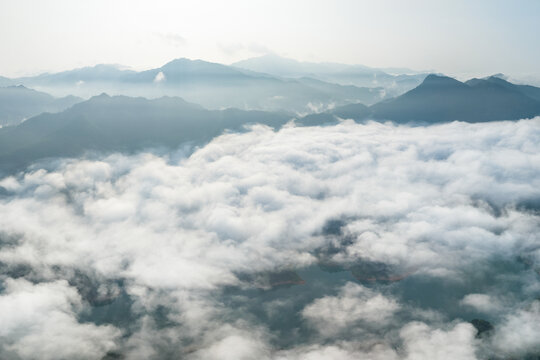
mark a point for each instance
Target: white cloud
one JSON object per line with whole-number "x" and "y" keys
{"x": 519, "y": 333}
{"x": 355, "y": 305}
{"x": 39, "y": 322}
{"x": 160, "y": 77}
{"x": 482, "y": 302}
{"x": 341, "y": 351}
{"x": 235, "y": 49}
{"x": 173, "y": 39}
{"x": 235, "y": 347}
{"x": 436, "y": 201}
{"x": 425, "y": 343}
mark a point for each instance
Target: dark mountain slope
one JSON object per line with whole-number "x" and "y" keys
{"x": 443, "y": 99}
{"x": 120, "y": 123}
{"x": 528, "y": 90}
{"x": 440, "y": 99}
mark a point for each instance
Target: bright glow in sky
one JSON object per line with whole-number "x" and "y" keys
{"x": 456, "y": 37}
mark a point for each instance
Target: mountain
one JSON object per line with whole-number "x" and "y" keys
{"x": 98, "y": 73}
{"x": 18, "y": 103}
{"x": 212, "y": 85}
{"x": 442, "y": 99}
{"x": 530, "y": 91}
{"x": 357, "y": 75}
{"x": 120, "y": 123}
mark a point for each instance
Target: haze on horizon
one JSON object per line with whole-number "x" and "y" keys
{"x": 458, "y": 38}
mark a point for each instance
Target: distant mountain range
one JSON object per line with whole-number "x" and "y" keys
{"x": 212, "y": 85}
{"x": 120, "y": 123}
{"x": 18, "y": 103}
{"x": 395, "y": 81}
{"x": 443, "y": 99}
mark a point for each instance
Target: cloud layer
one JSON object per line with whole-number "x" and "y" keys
{"x": 166, "y": 236}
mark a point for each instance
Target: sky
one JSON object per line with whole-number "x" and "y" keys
{"x": 454, "y": 37}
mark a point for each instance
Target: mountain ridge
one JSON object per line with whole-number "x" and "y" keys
{"x": 212, "y": 85}
{"x": 343, "y": 74}
{"x": 120, "y": 123}
{"x": 18, "y": 103}
{"x": 441, "y": 99}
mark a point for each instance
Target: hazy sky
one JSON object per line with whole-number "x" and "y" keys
{"x": 457, "y": 37}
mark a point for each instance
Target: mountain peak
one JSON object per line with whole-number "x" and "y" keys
{"x": 499, "y": 76}
{"x": 490, "y": 82}
{"x": 185, "y": 68}
{"x": 101, "y": 96}
{"x": 190, "y": 62}
{"x": 178, "y": 61}
{"x": 268, "y": 57}
{"x": 440, "y": 80}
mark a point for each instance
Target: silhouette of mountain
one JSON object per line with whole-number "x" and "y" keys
{"x": 18, "y": 103}
{"x": 530, "y": 91}
{"x": 442, "y": 99}
{"x": 120, "y": 123}
{"x": 212, "y": 85}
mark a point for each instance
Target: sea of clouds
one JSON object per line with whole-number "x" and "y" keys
{"x": 170, "y": 233}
